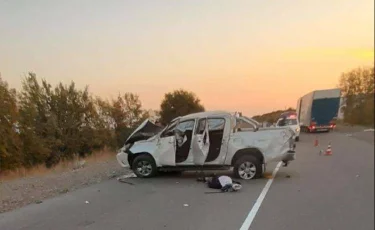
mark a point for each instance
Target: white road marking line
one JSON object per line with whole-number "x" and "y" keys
{"x": 250, "y": 217}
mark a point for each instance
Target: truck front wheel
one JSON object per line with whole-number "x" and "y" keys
{"x": 144, "y": 166}
{"x": 247, "y": 167}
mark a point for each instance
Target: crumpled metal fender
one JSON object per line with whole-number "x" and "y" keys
{"x": 146, "y": 146}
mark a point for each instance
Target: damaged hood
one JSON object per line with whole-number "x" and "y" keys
{"x": 146, "y": 130}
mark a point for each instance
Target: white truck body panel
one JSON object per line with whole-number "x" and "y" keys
{"x": 298, "y": 108}
{"x": 304, "y": 113}
{"x": 304, "y": 104}
{"x": 327, "y": 93}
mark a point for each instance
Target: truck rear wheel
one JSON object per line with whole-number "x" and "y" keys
{"x": 247, "y": 167}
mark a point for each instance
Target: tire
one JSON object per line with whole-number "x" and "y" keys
{"x": 297, "y": 139}
{"x": 147, "y": 164}
{"x": 252, "y": 163}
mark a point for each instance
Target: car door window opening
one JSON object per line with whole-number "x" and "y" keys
{"x": 215, "y": 132}
{"x": 243, "y": 125}
{"x": 184, "y": 135}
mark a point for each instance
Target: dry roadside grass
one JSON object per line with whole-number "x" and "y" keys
{"x": 63, "y": 166}
{"x": 23, "y": 187}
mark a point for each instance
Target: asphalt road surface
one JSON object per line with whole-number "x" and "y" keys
{"x": 313, "y": 192}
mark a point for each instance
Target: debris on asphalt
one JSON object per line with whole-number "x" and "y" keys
{"x": 124, "y": 181}
{"x": 287, "y": 176}
{"x": 267, "y": 175}
{"x": 87, "y": 202}
{"x": 357, "y": 176}
{"x": 123, "y": 178}
{"x": 316, "y": 142}
{"x": 348, "y": 134}
{"x": 369, "y": 130}
{"x": 38, "y": 202}
{"x": 126, "y": 176}
{"x": 186, "y": 205}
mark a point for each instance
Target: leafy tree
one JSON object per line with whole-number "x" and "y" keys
{"x": 357, "y": 86}
{"x": 179, "y": 103}
{"x": 48, "y": 124}
{"x": 127, "y": 114}
{"x": 80, "y": 128}
{"x": 58, "y": 123}
{"x": 10, "y": 144}
{"x": 34, "y": 120}
{"x": 105, "y": 123}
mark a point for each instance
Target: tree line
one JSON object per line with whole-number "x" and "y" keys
{"x": 44, "y": 124}
{"x": 271, "y": 117}
{"x": 357, "y": 87}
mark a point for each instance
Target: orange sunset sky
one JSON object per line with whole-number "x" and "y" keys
{"x": 243, "y": 55}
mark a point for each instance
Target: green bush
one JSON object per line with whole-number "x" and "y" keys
{"x": 44, "y": 124}
{"x": 357, "y": 87}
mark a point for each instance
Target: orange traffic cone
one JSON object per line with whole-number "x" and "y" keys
{"x": 316, "y": 142}
{"x": 329, "y": 150}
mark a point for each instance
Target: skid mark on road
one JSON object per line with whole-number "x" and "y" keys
{"x": 250, "y": 217}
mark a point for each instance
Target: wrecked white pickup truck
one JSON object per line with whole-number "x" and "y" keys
{"x": 207, "y": 141}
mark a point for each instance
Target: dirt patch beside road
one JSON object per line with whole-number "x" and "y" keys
{"x": 34, "y": 189}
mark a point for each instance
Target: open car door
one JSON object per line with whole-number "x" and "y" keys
{"x": 166, "y": 146}
{"x": 201, "y": 146}
{"x": 166, "y": 149}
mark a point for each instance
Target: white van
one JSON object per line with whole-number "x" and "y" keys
{"x": 290, "y": 119}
